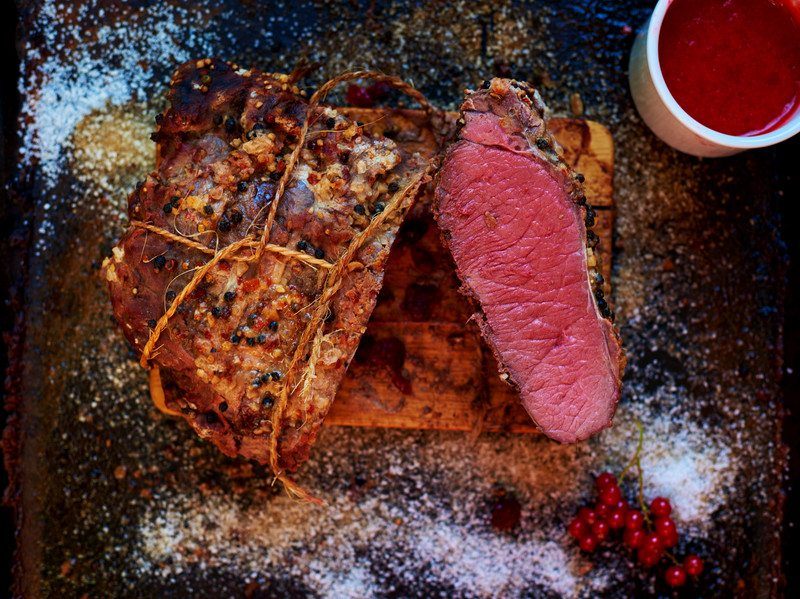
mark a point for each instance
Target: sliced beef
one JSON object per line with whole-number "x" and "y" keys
{"x": 223, "y": 145}
{"x": 513, "y": 215}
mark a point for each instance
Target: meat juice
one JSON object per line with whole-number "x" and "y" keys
{"x": 733, "y": 65}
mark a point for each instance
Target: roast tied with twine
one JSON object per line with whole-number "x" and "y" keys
{"x": 257, "y": 243}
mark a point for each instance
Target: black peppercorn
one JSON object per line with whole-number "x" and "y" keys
{"x": 241, "y": 186}
{"x": 319, "y": 253}
{"x": 276, "y": 376}
{"x": 216, "y": 311}
{"x": 273, "y": 325}
{"x": 268, "y": 400}
{"x": 394, "y": 187}
{"x": 251, "y": 341}
{"x": 152, "y": 323}
{"x": 208, "y": 209}
{"x": 359, "y": 209}
{"x": 485, "y": 85}
{"x": 229, "y": 295}
{"x": 235, "y": 339}
{"x": 379, "y": 207}
{"x": 265, "y": 378}
{"x": 257, "y": 128}
{"x": 168, "y": 207}
{"x": 330, "y": 123}
{"x": 230, "y": 124}
{"x": 262, "y": 338}
{"x": 302, "y": 245}
{"x": 211, "y": 418}
{"x": 224, "y": 225}
{"x": 171, "y": 295}
{"x": 542, "y": 144}
{"x": 590, "y": 214}
{"x": 251, "y": 318}
{"x": 223, "y": 407}
{"x": 236, "y": 216}
{"x": 159, "y": 262}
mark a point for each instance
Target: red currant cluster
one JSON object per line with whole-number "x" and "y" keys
{"x": 650, "y": 532}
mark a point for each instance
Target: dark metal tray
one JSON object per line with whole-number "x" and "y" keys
{"x": 114, "y": 500}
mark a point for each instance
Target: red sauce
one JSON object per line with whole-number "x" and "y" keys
{"x": 733, "y": 65}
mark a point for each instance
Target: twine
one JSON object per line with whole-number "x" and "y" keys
{"x": 333, "y": 280}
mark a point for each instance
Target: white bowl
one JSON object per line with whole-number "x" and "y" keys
{"x": 665, "y": 116}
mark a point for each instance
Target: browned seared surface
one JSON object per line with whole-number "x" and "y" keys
{"x": 225, "y": 357}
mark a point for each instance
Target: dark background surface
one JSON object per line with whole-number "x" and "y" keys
{"x": 9, "y": 220}
{"x": 12, "y": 224}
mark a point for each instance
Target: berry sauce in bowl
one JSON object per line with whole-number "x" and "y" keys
{"x": 733, "y": 65}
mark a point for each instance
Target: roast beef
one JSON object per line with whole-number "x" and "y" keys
{"x": 227, "y": 353}
{"x": 514, "y": 217}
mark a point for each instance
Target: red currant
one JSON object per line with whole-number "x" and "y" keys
{"x": 675, "y": 576}
{"x": 693, "y": 565}
{"x": 666, "y": 531}
{"x": 610, "y": 495}
{"x": 660, "y": 506}
{"x": 649, "y": 556}
{"x": 588, "y": 543}
{"x": 587, "y": 515}
{"x": 358, "y": 96}
{"x": 651, "y": 550}
{"x": 577, "y": 528}
{"x": 633, "y": 538}
{"x": 634, "y": 520}
{"x": 653, "y": 540}
{"x": 606, "y": 479}
{"x": 622, "y": 505}
{"x": 600, "y": 529}
{"x": 602, "y": 510}
{"x": 616, "y": 519}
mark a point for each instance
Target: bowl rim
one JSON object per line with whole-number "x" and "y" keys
{"x": 785, "y": 131}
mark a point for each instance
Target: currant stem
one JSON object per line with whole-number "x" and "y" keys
{"x": 673, "y": 558}
{"x": 636, "y": 460}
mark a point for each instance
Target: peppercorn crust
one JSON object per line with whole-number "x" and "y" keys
{"x": 223, "y": 145}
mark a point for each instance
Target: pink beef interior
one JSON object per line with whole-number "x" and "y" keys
{"x": 519, "y": 242}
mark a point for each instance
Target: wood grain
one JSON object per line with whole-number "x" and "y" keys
{"x": 422, "y": 363}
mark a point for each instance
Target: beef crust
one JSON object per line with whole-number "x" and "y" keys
{"x": 223, "y": 144}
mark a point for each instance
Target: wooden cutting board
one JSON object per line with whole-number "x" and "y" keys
{"x": 421, "y": 363}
